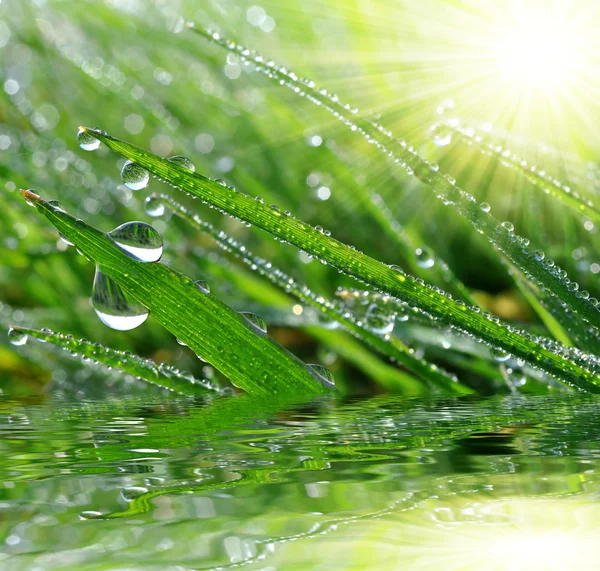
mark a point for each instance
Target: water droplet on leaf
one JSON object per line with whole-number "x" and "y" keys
{"x": 154, "y": 206}
{"x": 256, "y": 321}
{"x": 114, "y": 307}
{"x": 424, "y": 258}
{"x": 182, "y": 162}
{"x": 132, "y": 492}
{"x": 323, "y": 374}
{"x": 134, "y": 176}
{"x": 140, "y": 240}
{"x": 202, "y": 286}
{"x": 17, "y": 337}
{"x": 87, "y": 141}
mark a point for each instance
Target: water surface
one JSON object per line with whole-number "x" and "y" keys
{"x": 377, "y": 483}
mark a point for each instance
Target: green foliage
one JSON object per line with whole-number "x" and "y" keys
{"x": 420, "y": 322}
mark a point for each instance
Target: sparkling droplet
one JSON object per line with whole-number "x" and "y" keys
{"x": 113, "y": 306}
{"x": 485, "y": 207}
{"x": 508, "y": 226}
{"x": 134, "y": 176}
{"x": 424, "y": 258}
{"x": 140, "y": 240}
{"x": 323, "y": 374}
{"x": 154, "y": 206}
{"x": 87, "y": 141}
{"x": 17, "y": 337}
{"x": 202, "y": 286}
{"x": 182, "y": 162}
{"x": 220, "y": 181}
{"x": 90, "y": 515}
{"x": 379, "y": 319}
{"x": 132, "y": 492}
{"x": 499, "y": 355}
{"x": 257, "y": 322}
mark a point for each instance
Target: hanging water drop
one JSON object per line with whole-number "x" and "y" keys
{"x": 499, "y": 355}
{"x": 323, "y": 374}
{"x": 134, "y": 176}
{"x": 154, "y": 206}
{"x": 257, "y": 322}
{"x": 182, "y": 162}
{"x": 424, "y": 258}
{"x": 86, "y": 140}
{"x": 114, "y": 307}
{"x": 17, "y": 337}
{"x": 379, "y": 319}
{"x": 202, "y": 286}
{"x": 140, "y": 240}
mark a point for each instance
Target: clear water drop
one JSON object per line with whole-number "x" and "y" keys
{"x": 220, "y": 181}
{"x": 182, "y": 162}
{"x": 87, "y": 141}
{"x": 17, "y": 337}
{"x": 425, "y": 258}
{"x": 114, "y": 307}
{"x": 134, "y": 176}
{"x": 202, "y": 286}
{"x": 132, "y": 492}
{"x": 323, "y": 374}
{"x": 485, "y": 207}
{"x": 257, "y": 322}
{"x": 89, "y": 514}
{"x": 154, "y": 206}
{"x": 140, "y": 240}
{"x": 326, "y": 322}
{"x": 499, "y": 355}
{"x": 379, "y": 319}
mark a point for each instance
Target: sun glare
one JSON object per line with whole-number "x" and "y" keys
{"x": 537, "y": 53}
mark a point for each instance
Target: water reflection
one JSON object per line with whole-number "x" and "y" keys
{"x": 387, "y": 483}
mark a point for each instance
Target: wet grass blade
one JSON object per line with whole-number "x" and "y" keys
{"x": 384, "y": 343}
{"x": 390, "y": 280}
{"x": 250, "y": 359}
{"x": 162, "y": 375}
{"x": 533, "y": 264}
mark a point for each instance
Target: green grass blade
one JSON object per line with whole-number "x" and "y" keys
{"x": 534, "y": 174}
{"x": 252, "y": 361}
{"x": 385, "y": 344}
{"x": 535, "y": 267}
{"x": 356, "y": 264}
{"x": 162, "y": 375}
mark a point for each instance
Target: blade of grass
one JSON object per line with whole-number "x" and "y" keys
{"x": 163, "y": 375}
{"x": 356, "y": 264}
{"x": 502, "y": 236}
{"x": 385, "y": 344}
{"x": 251, "y": 360}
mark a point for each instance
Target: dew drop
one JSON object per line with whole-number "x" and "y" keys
{"x": 424, "y": 258}
{"x": 485, "y": 207}
{"x": 379, "y": 319}
{"x": 182, "y": 162}
{"x": 539, "y": 255}
{"x": 220, "y": 181}
{"x": 90, "y": 515}
{"x": 202, "y": 286}
{"x": 64, "y": 239}
{"x": 323, "y": 374}
{"x": 87, "y": 141}
{"x": 142, "y": 241}
{"x": 132, "y": 492}
{"x": 508, "y": 226}
{"x": 257, "y": 322}
{"x": 154, "y": 206}
{"x": 17, "y": 337}
{"x": 499, "y": 355}
{"x": 113, "y": 306}
{"x": 134, "y": 176}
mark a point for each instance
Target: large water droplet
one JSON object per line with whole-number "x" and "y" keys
{"x": 202, "y": 286}
{"x": 113, "y": 306}
{"x": 499, "y": 355}
{"x": 424, "y": 258}
{"x": 87, "y": 141}
{"x": 257, "y": 322}
{"x": 89, "y": 514}
{"x": 326, "y": 322}
{"x": 134, "y": 176}
{"x": 379, "y": 319}
{"x": 17, "y": 337}
{"x": 182, "y": 162}
{"x": 323, "y": 374}
{"x": 140, "y": 240}
{"x": 154, "y": 206}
